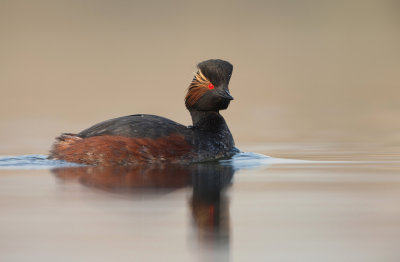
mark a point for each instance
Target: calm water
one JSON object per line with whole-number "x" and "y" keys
{"x": 251, "y": 207}
{"x": 316, "y": 86}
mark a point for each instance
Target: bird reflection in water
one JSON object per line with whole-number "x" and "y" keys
{"x": 208, "y": 203}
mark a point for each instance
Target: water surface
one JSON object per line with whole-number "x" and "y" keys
{"x": 251, "y": 207}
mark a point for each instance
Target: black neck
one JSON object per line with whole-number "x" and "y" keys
{"x": 207, "y": 120}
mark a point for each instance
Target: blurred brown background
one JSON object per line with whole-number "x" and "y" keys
{"x": 305, "y": 71}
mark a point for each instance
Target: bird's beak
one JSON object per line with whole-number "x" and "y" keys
{"x": 224, "y": 92}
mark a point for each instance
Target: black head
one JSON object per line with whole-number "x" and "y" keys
{"x": 209, "y": 89}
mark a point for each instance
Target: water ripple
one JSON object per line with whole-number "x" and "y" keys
{"x": 32, "y": 162}
{"x": 242, "y": 160}
{"x": 239, "y": 161}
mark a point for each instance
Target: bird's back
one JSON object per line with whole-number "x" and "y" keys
{"x": 138, "y": 126}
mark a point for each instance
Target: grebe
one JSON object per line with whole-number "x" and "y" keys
{"x": 144, "y": 138}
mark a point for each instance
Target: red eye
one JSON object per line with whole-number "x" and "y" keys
{"x": 210, "y": 86}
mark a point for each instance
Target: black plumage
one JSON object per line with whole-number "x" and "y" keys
{"x": 208, "y": 138}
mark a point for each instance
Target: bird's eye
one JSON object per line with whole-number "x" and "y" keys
{"x": 210, "y": 86}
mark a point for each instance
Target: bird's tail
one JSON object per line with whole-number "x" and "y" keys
{"x": 62, "y": 142}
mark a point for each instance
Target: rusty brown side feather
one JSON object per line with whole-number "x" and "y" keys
{"x": 118, "y": 150}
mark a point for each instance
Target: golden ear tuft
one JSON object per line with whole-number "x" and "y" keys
{"x": 197, "y": 88}
{"x": 201, "y": 78}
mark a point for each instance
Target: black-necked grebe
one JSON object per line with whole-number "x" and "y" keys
{"x": 147, "y": 138}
